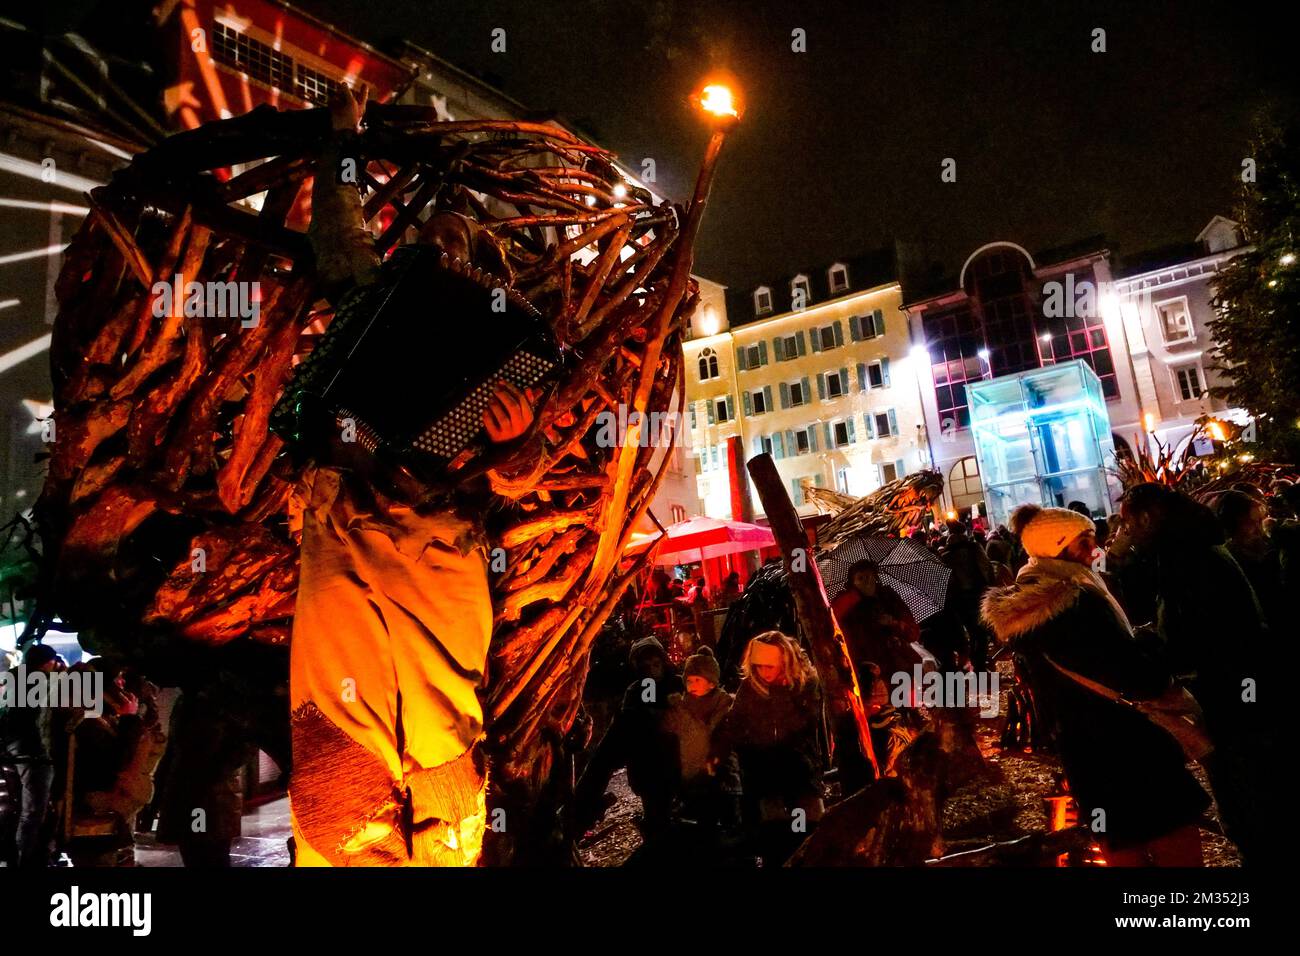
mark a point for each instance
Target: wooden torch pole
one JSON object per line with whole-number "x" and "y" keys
{"x": 830, "y": 652}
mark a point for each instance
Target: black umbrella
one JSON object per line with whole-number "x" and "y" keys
{"x": 913, "y": 572}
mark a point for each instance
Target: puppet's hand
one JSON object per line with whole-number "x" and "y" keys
{"x": 509, "y": 414}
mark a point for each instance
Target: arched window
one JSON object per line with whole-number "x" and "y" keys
{"x": 964, "y": 483}
{"x": 708, "y": 365}
{"x": 762, "y": 300}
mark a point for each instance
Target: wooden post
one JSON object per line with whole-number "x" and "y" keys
{"x": 830, "y": 652}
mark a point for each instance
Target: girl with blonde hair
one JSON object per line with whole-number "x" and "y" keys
{"x": 774, "y": 660}
{"x": 775, "y": 730}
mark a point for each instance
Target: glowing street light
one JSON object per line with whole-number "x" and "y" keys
{"x": 1287, "y": 258}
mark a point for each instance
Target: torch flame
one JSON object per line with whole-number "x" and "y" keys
{"x": 717, "y": 99}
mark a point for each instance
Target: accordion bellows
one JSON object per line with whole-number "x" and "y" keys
{"x": 410, "y": 362}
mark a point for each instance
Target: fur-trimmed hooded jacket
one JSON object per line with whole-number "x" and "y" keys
{"x": 1115, "y": 760}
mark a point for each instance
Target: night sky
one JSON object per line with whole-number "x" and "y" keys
{"x": 841, "y": 146}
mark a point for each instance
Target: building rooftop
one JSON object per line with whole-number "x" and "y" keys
{"x": 867, "y": 270}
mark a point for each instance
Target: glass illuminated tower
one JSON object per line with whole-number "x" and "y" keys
{"x": 1042, "y": 436}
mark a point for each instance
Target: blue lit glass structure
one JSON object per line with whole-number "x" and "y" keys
{"x": 1042, "y": 436}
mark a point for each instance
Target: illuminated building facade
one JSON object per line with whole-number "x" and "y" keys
{"x": 1011, "y": 312}
{"x": 1165, "y": 300}
{"x": 814, "y": 370}
{"x": 1140, "y": 326}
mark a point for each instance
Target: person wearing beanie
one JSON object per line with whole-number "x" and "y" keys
{"x": 710, "y": 792}
{"x": 1127, "y": 775}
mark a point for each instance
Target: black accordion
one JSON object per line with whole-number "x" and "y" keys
{"x": 409, "y": 363}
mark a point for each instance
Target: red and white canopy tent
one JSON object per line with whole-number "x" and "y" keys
{"x": 699, "y": 539}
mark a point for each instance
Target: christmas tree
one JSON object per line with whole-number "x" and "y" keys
{"x": 1257, "y": 294}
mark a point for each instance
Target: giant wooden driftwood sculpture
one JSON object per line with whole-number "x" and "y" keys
{"x": 892, "y": 509}
{"x": 164, "y": 511}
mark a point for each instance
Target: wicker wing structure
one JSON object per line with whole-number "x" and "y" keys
{"x": 165, "y": 509}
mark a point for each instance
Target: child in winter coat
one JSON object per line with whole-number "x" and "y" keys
{"x": 774, "y": 728}
{"x": 710, "y": 792}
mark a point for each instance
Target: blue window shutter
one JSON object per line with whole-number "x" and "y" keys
{"x": 740, "y": 358}
{"x": 844, "y": 381}
{"x": 749, "y": 405}
{"x": 816, "y": 336}
{"x": 791, "y": 445}
{"x": 870, "y": 422}
{"x": 839, "y": 332}
{"x": 731, "y": 408}
{"x": 694, "y": 424}
{"x": 880, "y": 322}
{"x": 799, "y": 343}
{"x": 778, "y": 445}
{"x": 880, "y": 474}
{"x": 767, "y": 398}
{"x": 862, "y": 377}
{"x": 777, "y": 350}
{"x": 884, "y": 371}
{"x": 899, "y": 470}
{"x": 848, "y": 422}
{"x": 826, "y": 434}
{"x": 758, "y": 444}
{"x": 812, "y": 439}
{"x": 807, "y": 390}
{"x": 712, "y": 414}
{"x": 893, "y": 423}
{"x": 785, "y": 395}
{"x": 819, "y": 480}
{"x": 821, "y": 385}
{"x": 855, "y": 330}
{"x": 762, "y": 352}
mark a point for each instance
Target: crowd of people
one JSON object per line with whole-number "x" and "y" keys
{"x": 735, "y": 768}
{"x": 117, "y": 746}
{"x": 83, "y": 778}
{"x": 1139, "y": 638}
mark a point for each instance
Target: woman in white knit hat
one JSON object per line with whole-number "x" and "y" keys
{"x": 1129, "y": 777}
